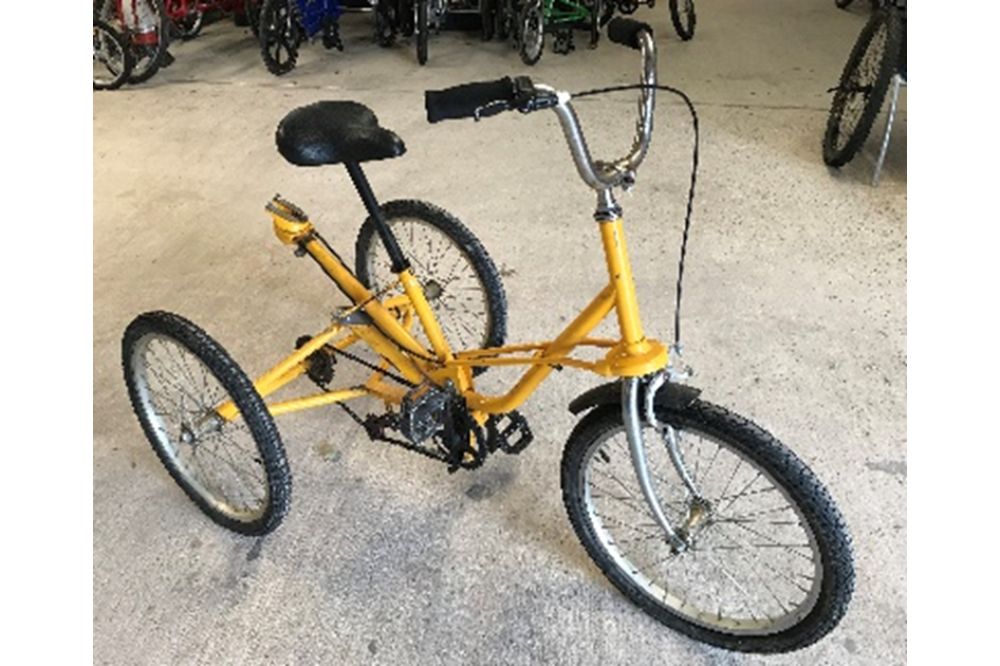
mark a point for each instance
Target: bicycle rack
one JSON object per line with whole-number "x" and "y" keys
{"x": 898, "y": 80}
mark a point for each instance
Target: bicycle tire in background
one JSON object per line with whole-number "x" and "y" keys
{"x": 146, "y": 28}
{"x": 423, "y": 30}
{"x": 113, "y": 54}
{"x": 683, "y": 17}
{"x": 862, "y": 87}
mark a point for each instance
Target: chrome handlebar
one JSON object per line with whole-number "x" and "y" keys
{"x": 598, "y": 174}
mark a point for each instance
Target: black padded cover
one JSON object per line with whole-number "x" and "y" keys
{"x": 335, "y": 132}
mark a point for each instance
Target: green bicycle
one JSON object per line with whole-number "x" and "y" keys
{"x": 557, "y": 17}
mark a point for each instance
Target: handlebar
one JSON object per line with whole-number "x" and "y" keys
{"x": 487, "y": 98}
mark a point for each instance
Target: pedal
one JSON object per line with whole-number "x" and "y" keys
{"x": 508, "y": 432}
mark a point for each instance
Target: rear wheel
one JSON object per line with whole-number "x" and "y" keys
{"x": 531, "y": 32}
{"x": 768, "y": 564}
{"x": 176, "y": 375}
{"x": 112, "y": 57}
{"x": 862, "y": 87}
{"x": 280, "y": 36}
{"x": 683, "y": 17}
{"x": 460, "y": 280}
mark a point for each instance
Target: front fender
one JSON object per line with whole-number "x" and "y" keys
{"x": 674, "y": 396}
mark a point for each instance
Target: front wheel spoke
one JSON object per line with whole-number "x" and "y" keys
{"x": 772, "y": 543}
{"x": 742, "y": 492}
{"x": 774, "y": 569}
{"x": 736, "y": 583}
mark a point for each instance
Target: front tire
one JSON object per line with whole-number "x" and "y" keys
{"x": 176, "y": 376}
{"x": 800, "y": 546}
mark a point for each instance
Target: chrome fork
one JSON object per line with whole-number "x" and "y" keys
{"x": 698, "y": 508}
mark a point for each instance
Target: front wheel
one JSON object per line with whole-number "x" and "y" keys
{"x": 177, "y": 376}
{"x": 683, "y": 17}
{"x": 768, "y": 567}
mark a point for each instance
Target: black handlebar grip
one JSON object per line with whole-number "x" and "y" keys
{"x": 462, "y": 101}
{"x": 626, "y": 31}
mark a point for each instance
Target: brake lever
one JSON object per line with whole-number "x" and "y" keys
{"x": 491, "y": 109}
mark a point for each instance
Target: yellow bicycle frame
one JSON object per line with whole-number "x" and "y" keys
{"x": 385, "y": 327}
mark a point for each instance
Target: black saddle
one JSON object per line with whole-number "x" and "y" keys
{"x": 335, "y": 132}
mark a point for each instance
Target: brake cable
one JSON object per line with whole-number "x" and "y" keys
{"x": 694, "y": 178}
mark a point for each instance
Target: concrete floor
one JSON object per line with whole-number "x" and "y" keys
{"x": 794, "y": 316}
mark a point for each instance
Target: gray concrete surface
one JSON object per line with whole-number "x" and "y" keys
{"x": 794, "y": 316}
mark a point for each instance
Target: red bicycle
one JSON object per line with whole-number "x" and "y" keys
{"x": 188, "y": 16}
{"x": 145, "y": 27}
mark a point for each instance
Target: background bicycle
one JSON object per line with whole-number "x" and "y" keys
{"x": 112, "y": 57}
{"x": 877, "y": 61}
{"x": 284, "y": 25}
{"x": 145, "y": 27}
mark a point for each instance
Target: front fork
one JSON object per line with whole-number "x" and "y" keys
{"x": 698, "y": 508}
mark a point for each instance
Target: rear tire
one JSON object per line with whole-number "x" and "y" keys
{"x": 434, "y": 241}
{"x": 592, "y": 455}
{"x": 176, "y": 374}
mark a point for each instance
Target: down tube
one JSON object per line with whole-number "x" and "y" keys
{"x": 577, "y": 330}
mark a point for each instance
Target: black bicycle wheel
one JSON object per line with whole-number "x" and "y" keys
{"x": 422, "y": 30}
{"x": 683, "y": 17}
{"x": 502, "y": 19}
{"x": 768, "y": 566}
{"x": 487, "y": 16}
{"x": 190, "y": 26}
{"x": 176, "y": 376}
{"x": 460, "y": 280}
{"x": 280, "y": 36}
{"x": 145, "y": 26}
{"x": 596, "y": 8}
{"x": 531, "y": 32}
{"x": 112, "y": 57}
{"x": 862, "y": 87}
{"x": 251, "y": 10}
{"x": 386, "y": 22}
